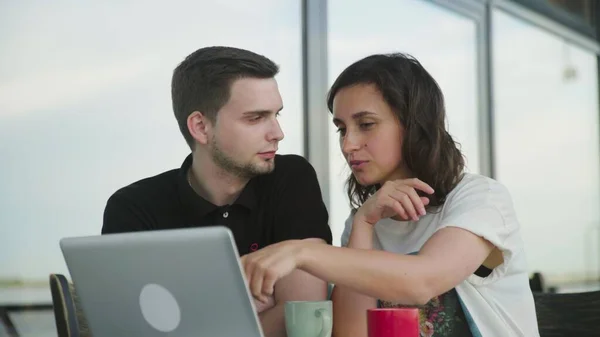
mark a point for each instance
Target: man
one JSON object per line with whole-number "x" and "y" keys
{"x": 226, "y": 101}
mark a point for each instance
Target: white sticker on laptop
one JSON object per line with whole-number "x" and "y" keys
{"x": 160, "y": 308}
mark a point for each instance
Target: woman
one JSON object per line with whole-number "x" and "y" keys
{"x": 422, "y": 232}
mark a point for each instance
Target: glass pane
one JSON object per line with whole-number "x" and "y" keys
{"x": 444, "y": 42}
{"x": 34, "y": 323}
{"x": 85, "y": 108}
{"x": 547, "y": 146}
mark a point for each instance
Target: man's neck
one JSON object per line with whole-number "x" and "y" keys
{"x": 213, "y": 183}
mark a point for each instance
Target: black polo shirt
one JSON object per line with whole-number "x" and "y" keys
{"x": 284, "y": 204}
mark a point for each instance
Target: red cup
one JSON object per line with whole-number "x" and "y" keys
{"x": 393, "y": 322}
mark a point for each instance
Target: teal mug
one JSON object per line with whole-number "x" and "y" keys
{"x": 308, "y": 318}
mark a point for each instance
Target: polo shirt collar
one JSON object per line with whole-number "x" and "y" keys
{"x": 200, "y": 206}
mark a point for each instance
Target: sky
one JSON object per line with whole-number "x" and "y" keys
{"x": 85, "y": 109}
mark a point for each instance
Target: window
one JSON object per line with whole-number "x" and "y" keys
{"x": 547, "y": 146}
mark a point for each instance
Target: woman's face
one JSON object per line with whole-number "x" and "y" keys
{"x": 370, "y": 134}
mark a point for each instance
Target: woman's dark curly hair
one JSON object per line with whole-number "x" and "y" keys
{"x": 428, "y": 150}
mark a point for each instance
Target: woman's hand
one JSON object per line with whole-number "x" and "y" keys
{"x": 265, "y": 267}
{"x": 395, "y": 198}
{"x": 262, "y": 306}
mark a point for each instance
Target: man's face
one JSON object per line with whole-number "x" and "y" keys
{"x": 246, "y": 134}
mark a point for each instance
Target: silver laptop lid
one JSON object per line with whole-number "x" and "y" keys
{"x": 184, "y": 282}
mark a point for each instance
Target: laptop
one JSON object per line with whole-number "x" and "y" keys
{"x": 182, "y": 282}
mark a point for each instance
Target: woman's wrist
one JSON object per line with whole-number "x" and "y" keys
{"x": 362, "y": 218}
{"x": 361, "y": 236}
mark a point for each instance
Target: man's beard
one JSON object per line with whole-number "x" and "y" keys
{"x": 230, "y": 165}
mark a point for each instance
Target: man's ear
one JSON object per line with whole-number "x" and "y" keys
{"x": 199, "y": 127}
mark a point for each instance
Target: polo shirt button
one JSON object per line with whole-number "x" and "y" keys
{"x": 226, "y": 214}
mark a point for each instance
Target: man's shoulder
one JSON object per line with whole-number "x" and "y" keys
{"x": 292, "y": 164}
{"x": 292, "y": 174}
{"x": 139, "y": 205}
{"x": 154, "y": 188}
